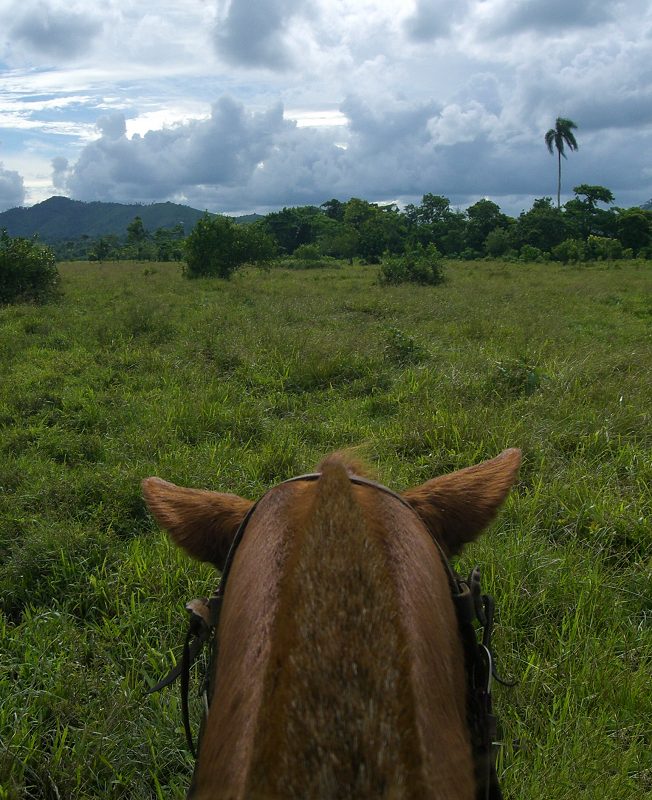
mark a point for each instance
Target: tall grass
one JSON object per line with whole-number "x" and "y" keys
{"x": 238, "y": 385}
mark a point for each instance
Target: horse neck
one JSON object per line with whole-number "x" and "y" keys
{"x": 341, "y": 687}
{"x": 338, "y": 711}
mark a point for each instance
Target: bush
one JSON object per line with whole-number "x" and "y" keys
{"x": 469, "y": 254}
{"x": 569, "y": 250}
{"x": 28, "y": 271}
{"x": 603, "y": 248}
{"x": 419, "y": 265}
{"x": 498, "y": 242}
{"x": 307, "y": 252}
{"x": 530, "y": 253}
{"x": 403, "y": 349}
{"x": 217, "y": 246}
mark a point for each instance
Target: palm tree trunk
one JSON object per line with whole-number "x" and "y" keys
{"x": 559, "y": 180}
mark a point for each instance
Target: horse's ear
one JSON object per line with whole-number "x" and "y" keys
{"x": 456, "y": 508}
{"x": 202, "y": 523}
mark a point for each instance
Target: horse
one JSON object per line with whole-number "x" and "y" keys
{"x": 340, "y": 666}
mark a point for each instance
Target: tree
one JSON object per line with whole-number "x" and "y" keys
{"x": 104, "y": 247}
{"x": 634, "y": 228}
{"x": 430, "y": 222}
{"x": 137, "y": 239}
{"x": 378, "y": 228}
{"x": 543, "y": 226}
{"x": 483, "y": 217}
{"x": 583, "y": 214}
{"x": 420, "y": 264}
{"x": 341, "y": 242}
{"x": 217, "y": 246}
{"x": 334, "y": 209}
{"x": 293, "y": 227}
{"x": 28, "y": 270}
{"x": 433, "y": 208}
{"x": 559, "y": 137}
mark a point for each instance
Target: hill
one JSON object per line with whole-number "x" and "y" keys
{"x": 60, "y": 218}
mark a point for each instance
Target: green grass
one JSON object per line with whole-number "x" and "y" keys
{"x": 238, "y": 385}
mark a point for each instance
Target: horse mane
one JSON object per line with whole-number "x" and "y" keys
{"x": 350, "y": 459}
{"x": 339, "y": 644}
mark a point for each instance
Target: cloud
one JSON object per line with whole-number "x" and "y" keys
{"x": 462, "y": 124}
{"x": 46, "y": 31}
{"x": 382, "y": 124}
{"x": 505, "y": 18}
{"x": 239, "y": 159}
{"x": 12, "y": 190}
{"x": 252, "y": 33}
{"x": 433, "y": 19}
{"x": 60, "y": 172}
{"x": 112, "y": 126}
{"x": 223, "y": 150}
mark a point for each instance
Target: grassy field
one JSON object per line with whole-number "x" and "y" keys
{"x": 137, "y": 371}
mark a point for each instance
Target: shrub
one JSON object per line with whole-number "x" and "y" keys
{"x": 603, "y": 248}
{"x": 419, "y": 265}
{"x": 403, "y": 348}
{"x": 217, "y": 246}
{"x": 498, "y": 242}
{"x": 307, "y": 252}
{"x": 530, "y": 253}
{"x": 569, "y": 250}
{"x": 27, "y": 270}
{"x": 469, "y": 254}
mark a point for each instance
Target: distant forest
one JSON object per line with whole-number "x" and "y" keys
{"x": 588, "y": 227}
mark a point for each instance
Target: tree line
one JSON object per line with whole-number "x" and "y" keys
{"x": 585, "y": 228}
{"x": 581, "y": 229}
{"x": 409, "y": 243}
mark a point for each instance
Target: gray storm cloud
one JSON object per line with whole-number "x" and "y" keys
{"x": 47, "y": 30}
{"x": 251, "y": 33}
{"x": 433, "y": 19}
{"x": 224, "y": 150}
{"x": 238, "y": 158}
{"x": 547, "y": 16}
{"x": 12, "y": 189}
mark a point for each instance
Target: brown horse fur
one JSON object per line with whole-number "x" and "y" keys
{"x": 340, "y": 671}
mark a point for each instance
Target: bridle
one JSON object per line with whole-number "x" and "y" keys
{"x": 471, "y": 606}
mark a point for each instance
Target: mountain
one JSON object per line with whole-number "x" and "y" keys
{"x": 647, "y": 206}
{"x": 59, "y": 218}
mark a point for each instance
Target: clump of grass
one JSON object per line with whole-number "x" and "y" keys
{"x": 516, "y": 377}
{"x": 402, "y": 349}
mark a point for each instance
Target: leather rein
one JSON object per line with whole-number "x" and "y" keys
{"x": 471, "y": 606}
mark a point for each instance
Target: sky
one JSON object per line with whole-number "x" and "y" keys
{"x": 237, "y": 106}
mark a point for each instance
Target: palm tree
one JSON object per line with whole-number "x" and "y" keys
{"x": 560, "y": 135}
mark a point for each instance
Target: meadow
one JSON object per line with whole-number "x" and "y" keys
{"x": 236, "y": 385}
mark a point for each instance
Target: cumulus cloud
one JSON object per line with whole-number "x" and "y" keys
{"x": 433, "y": 19}
{"x": 381, "y": 125}
{"x": 112, "y": 126}
{"x": 505, "y": 17}
{"x": 47, "y": 30}
{"x": 252, "y": 33}
{"x": 224, "y": 150}
{"x": 462, "y": 123}
{"x": 238, "y": 159}
{"x": 12, "y": 190}
{"x": 60, "y": 172}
